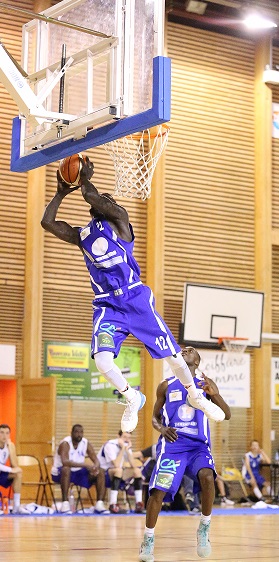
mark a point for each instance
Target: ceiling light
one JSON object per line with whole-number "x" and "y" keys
{"x": 196, "y": 7}
{"x": 255, "y": 21}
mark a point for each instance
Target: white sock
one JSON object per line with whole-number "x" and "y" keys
{"x": 205, "y": 519}
{"x": 128, "y": 392}
{"x": 99, "y": 504}
{"x": 257, "y": 492}
{"x": 138, "y": 496}
{"x": 113, "y": 497}
{"x": 149, "y": 532}
{"x": 16, "y": 500}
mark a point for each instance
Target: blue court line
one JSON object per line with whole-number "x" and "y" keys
{"x": 215, "y": 512}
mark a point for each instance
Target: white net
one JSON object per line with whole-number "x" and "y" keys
{"x": 135, "y": 158}
{"x": 235, "y": 345}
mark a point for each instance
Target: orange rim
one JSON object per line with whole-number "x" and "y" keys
{"x": 146, "y": 136}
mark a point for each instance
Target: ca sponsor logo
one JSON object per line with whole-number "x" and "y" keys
{"x": 169, "y": 465}
{"x": 109, "y": 328}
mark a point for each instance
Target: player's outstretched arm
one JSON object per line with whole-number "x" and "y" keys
{"x": 61, "y": 229}
{"x": 211, "y": 388}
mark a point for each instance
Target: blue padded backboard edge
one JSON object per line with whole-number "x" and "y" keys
{"x": 159, "y": 113}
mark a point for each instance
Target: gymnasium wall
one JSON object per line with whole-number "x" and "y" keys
{"x": 210, "y": 179}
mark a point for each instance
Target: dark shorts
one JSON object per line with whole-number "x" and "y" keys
{"x": 79, "y": 477}
{"x": 5, "y": 481}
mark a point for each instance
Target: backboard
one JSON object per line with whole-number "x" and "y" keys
{"x": 211, "y": 312}
{"x": 116, "y": 80}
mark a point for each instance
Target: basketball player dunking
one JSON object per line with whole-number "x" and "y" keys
{"x": 122, "y": 304}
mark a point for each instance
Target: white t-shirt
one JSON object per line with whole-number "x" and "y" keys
{"x": 4, "y": 455}
{"x": 75, "y": 455}
{"x": 109, "y": 452}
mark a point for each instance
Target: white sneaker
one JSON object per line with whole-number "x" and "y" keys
{"x": 20, "y": 510}
{"x": 129, "y": 419}
{"x": 211, "y": 410}
{"x": 203, "y": 546}
{"x": 226, "y": 501}
{"x": 146, "y": 553}
{"x": 100, "y": 508}
{"x": 65, "y": 507}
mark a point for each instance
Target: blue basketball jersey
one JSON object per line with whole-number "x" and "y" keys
{"x": 255, "y": 464}
{"x": 190, "y": 424}
{"x": 109, "y": 259}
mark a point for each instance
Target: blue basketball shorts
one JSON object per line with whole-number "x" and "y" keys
{"x": 5, "y": 481}
{"x": 79, "y": 477}
{"x": 258, "y": 477}
{"x": 132, "y": 312}
{"x": 176, "y": 459}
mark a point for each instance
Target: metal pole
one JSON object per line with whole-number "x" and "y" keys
{"x": 47, "y": 19}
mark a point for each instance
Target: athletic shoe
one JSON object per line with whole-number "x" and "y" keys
{"x": 189, "y": 502}
{"x": 204, "y": 546}
{"x": 100, "y": 508}
{"x": 115, "y": 508}
{"x": 139, "y": 508}
{"x": 147, "y": 549}
{"x": 20, "y": 510}
{"x": 1, "y": 512}
{"x": 129, "y": 419}
{"x": 65, "y": 507}
{"x": 211, "y": 410}
{"x": 226, "y": 501}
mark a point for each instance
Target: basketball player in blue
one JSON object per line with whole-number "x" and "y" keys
{"x": 183, "y": 447}
{"x": 122, "y": 304}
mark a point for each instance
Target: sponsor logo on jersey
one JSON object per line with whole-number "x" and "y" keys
{"x": 164, "y": 479}
{"x": 169, "y": 465}
{"x": 108, "y": 328}
{"x": 105, "y": 340}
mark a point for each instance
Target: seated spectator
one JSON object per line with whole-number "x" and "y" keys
{"x": 114, "y": 454}
{"x": 10, "y": 475}
{"x": 70, "y": 467}
{"x": 251, "y": 470}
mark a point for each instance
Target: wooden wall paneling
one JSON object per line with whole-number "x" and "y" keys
{"x": 209, "y": 195}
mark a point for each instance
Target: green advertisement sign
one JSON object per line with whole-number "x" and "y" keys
{"x": 76, "y": 374}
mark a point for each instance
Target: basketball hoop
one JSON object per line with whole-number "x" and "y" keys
{"x": 135, "y": 158}
{"x": 233, "y": 345}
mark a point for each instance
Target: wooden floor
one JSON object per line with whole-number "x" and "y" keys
{"x": 234, "y": 538}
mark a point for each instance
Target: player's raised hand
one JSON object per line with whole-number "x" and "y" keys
{"x": 62, "y": 187}
{"x": 87, "y": 169}
{"x": 169, "y": 433}
{"x": 208, "y": 385}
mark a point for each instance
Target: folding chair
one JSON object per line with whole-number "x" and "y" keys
{"x": 32, "y": 476}
{"x": 48, "y": 462}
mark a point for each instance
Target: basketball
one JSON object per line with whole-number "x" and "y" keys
{"x": 69, "y": 169}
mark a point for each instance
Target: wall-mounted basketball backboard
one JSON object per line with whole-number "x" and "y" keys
{"x": 212, "y": 312}
{"x": 92, "y": 71}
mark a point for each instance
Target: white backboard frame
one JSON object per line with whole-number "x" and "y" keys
{"x": 210, "y": 312}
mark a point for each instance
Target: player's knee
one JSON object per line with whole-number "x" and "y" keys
{"x": 104, "y": 361}
{"x": 175, "y": 362}
{"x": 206, "y": 477}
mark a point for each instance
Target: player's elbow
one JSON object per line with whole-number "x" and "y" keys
{"x": 228, "y": 415}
